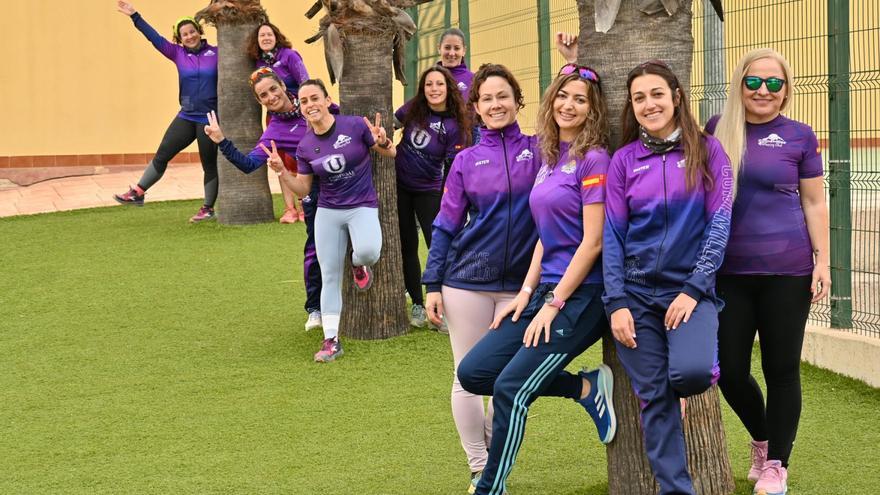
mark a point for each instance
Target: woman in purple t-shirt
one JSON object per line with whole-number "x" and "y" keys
{"x": 268, "y": 47}
{"x": 558, "y": 313}
{"x": 777, "y": 259}
{"x": 336, "y": 151}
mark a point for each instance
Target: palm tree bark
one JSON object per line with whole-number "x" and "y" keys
{"x": 243, "y": 198}
{"x": 634, "y": 38}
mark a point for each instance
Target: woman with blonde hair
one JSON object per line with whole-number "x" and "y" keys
{"x": 777, "y": 260}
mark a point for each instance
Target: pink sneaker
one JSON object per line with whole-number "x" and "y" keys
{"x": 363, "y": 277}
{"x": 330, "y": 350}
{"x": 289, "y": 216}
{"x": 302, "y": 216}
{"x": 773, "y": 480}
{"x": 759, "y": 457}
{"x": 132, "y": 197}
{"x": 205, "y": 213}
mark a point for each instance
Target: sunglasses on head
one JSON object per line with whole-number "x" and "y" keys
{"x": 583, "y": 72}
{"x": 753, "y": 83}
{"x": 261, "y": 73}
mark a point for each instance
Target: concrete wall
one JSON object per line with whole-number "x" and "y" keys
{"x": 856, "y": 356}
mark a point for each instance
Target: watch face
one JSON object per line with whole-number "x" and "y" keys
{"x": 548, "y": 297}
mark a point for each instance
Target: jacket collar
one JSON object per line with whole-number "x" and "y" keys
{"x": 643, "y": 152}
{"x": 493, "y": 136}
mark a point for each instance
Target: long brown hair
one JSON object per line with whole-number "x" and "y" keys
{"x": 692, "y": 137}
{"x": 252, "y": 44}
{"x": 497, "y": 70}
{"x": 593, "y": 134}
{"x": 418, "y": 111}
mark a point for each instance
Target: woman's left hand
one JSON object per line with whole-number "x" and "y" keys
{"x": 540, "y": 325}
{"x": 378, "y": 132}
{"x": 679, "y": 311}
{"x": 821, "y": 284}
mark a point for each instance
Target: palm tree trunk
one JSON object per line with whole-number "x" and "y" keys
{"x": 364, "y": 89}
{"x": 634, "y": 38}
{"x": 243, "y": 198}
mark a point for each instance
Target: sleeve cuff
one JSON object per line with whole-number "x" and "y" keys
{"x": 612, "y": 304}
{"x": 693, "y": 292}
{"x": 433, "y": 287}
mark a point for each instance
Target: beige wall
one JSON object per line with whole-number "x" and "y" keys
{"x": 78, "y": 78}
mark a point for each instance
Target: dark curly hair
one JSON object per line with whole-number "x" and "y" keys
{"x": 252, "y": 45}
{"x": 419, "y": 109}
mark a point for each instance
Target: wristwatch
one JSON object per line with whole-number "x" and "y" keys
{"x": 550, "y": 299}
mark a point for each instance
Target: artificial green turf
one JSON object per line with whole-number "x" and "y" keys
{"x": 141, "y": 354}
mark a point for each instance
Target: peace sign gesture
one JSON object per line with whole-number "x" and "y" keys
{"x": 274, "y": 161}
{"x": 378, "y": 132}
{"x": 213, "y": 128}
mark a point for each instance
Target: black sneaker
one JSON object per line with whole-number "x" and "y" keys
{"x": 130, "y": 198}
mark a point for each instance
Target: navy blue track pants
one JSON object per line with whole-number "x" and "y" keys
{"x": 311, "y": 268}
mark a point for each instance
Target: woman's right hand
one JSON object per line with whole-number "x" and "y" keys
{"x": 623, "y": 327}
{"x": 125, "y": 7}
{"x": 567, "y": 45}
{"x": 213, "y": 128}
{"x": 434, "y": 307}
{"x": 516, "y": 307}
{"x": 273, "y": 158}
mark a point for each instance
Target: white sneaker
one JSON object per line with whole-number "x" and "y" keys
{"x": 314, "y": 321}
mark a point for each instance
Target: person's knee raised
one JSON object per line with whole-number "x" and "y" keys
{"x": 690, "y": 378}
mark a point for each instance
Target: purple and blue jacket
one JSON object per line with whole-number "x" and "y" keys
{"x": 463, "y": 76}
{"x": 422, "y": 153}
{"x": 287, "y": 130}
{"x": 289, "y": 66}
{"x": 483, "y": 237}
{"x": 660, "y": 237}
{"x": 196, "y": 72}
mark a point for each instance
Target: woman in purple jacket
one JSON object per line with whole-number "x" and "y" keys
{"x": 268, "y": 47}
{"x": 482, "y": 239}
{"x": 432, "y": 123}
{"x": 777, "y": 260}
{"x": 667, "y": 207}
{"x": 196, "y": 63}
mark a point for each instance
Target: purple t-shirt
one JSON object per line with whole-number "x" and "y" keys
{"x": 557, "y": 202}
{"x": 289, "y": 66}
{"x": 341, "y": 161}
{"x": 422, "y": 152}
{"x": 768, "y": 231}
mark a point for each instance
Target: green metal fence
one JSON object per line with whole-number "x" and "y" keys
{"x": 834, "y": 49}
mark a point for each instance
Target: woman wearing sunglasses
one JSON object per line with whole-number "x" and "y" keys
{"x": 558, "y": 313}
{"x": 196, "y": 63}
{"x": 667, "y": 206}
{"x": 777, "y": 259}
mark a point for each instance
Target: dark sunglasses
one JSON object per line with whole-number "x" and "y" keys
{"x": 582, "y": 70}
{"x": 753, "y": 83}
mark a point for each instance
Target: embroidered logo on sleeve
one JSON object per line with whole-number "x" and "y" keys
{"x": 593, "y": 181}
{"x": 772, "y": 141}
{"x": 341, "y": 141}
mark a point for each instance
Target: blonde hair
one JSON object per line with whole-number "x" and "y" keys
{"x": 594, "y": 133}
{"x": 731, "y": 128}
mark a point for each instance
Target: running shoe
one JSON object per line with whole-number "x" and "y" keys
{"x": 314, "y": 321}
{"x": 443, "y": 328}
{"x": 205, "y": 213}
{"x": 773, "y": 480}
{"x": 130, "y": 198}
{"x": 759, "y": 457}
{"x": 475, "y": 480}
{"x": 289, "y": 216}
{"x": 418, "y": 317}
{"x": 599, "y": 402}
{"x": 330, "y": 350}
{"x": 363, "y": 277}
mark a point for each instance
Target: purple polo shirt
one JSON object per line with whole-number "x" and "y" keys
{"x": 422, "y": 152}
{"x": 557, "y": 200}
{"x": 768, "y": 231}
{"x": 341, "y": 161}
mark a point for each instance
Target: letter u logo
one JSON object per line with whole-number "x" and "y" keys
{"x": 334, "y": 163}
{"x": 420, "y": 139}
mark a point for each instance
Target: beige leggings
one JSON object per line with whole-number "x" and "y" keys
{"x": 469, "y": 314}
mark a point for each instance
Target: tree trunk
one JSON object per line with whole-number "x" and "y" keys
{"x": 364, "y": 89}
{"x": 243, "y": 198}
{"x": 634, "y": 38}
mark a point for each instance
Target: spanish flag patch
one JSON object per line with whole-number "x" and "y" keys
{"x": 593, "y": 180}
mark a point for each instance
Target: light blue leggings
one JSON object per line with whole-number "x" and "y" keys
{"x": 332, "y": 231}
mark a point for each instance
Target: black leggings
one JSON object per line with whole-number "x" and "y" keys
{"x": 775, "y": 306}
{"x": 412, "y": 205}
{"x": 179, "y": 135}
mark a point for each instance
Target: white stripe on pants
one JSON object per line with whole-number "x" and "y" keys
{"x": 332, "y": 231}
{"x": 469, "y": 314}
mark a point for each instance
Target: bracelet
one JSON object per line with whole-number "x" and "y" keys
{"x": 386, "y": 144}
{"x": 526, "y": 289}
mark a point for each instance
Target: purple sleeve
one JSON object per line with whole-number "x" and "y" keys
{"x": 614, "y": 235}
{"x": 165, "y": 47}
{"x": 591, "y": 173}
{"x": 453, "y": 210}
{"x": 718, "y": 206}
{"x": 712, "y": 124}
{"x": 811, "y": 163}
{"x": 302, "y": 165}
{"x": 296, "y": 67}
{"x": 401, "y": 112}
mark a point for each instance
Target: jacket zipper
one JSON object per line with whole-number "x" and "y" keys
{"x": 665, "y": 226}
{"x": 509, "y": 211}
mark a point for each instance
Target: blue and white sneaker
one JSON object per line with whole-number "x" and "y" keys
{"x": 599, "y": 402}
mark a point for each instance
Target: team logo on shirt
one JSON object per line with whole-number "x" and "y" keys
{"x": 436, "y": 127}
{"x": 543, "y": 173}
{"x": 569, "y": 167}
{"x": 524, "y": 156}
{"x": 333, "y": 163}
{"x": 420, "y": 138}
{"x": 341, "y": 141}
{"x": 462, "y": 86}
{"x": 681, "y": 163}
{"x": 277, "y": 64}
{"x": 481, "y": 162}
{"x": 209, "y": 53}
{"x": 293, "y": 128}
{"x": 772, "y": 141}
{"x": 643, "y": 168}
